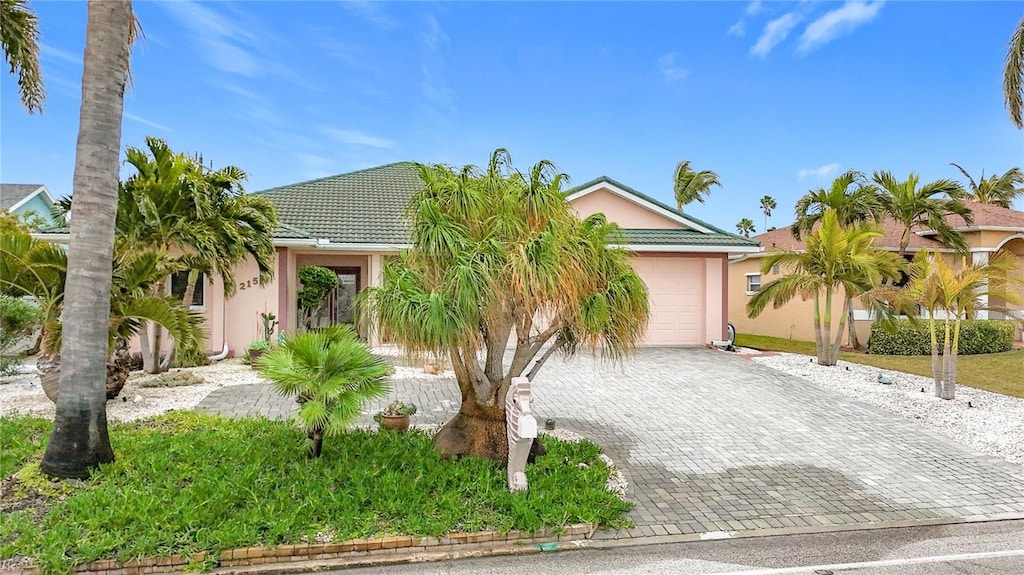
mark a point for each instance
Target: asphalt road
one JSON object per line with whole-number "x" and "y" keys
{"x": 965, "y": 549}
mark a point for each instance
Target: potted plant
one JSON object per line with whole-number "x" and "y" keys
{"x": 256, "y": 350}
{"x": 395, "y": 416}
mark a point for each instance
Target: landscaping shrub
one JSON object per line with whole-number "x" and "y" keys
{"x": 976, "y": 337}
{"x": 19, "y": 319}
{"x": 186, "y": 482}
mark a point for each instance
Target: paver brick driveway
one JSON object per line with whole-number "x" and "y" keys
{"x": 712, "y": 442}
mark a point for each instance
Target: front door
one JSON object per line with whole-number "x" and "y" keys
{"x": 340, "y": 304}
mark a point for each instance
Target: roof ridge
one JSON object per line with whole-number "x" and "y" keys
{"x": 352, "y": 173}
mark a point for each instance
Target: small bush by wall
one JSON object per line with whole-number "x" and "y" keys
{"x": 976, "y": 337}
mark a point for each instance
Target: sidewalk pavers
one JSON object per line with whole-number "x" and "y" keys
{"x": 712, "y": 443}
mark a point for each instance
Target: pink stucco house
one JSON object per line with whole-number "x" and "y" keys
{"x": 351, "y": 222}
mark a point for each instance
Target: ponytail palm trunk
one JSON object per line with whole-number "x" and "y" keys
{"x": 500, "y": 262}
{"x": 79, "y": 441}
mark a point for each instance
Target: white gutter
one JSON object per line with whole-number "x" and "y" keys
{"x": 690, "y": 249}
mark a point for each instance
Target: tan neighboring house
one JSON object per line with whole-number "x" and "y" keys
{"x": 351, "y": 222}
{"x": 994, "y": 229}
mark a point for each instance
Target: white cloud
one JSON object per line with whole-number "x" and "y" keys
{"x": 754, "y": 7}
{"x": 738, "y": 29}
{"x": 142, "y": 120}
{"x": 435, "y": 88}
{"x": 225, "y": 45}
{"x": 49, "y": 52}
{"x": 835, "y": 23}
{"x": 671, "y": 68}
{"x": 371, "y": 12}
{"x": 819, "y": 173}
{"x": 774, "y": 33}
{"x": 357, "y": 138}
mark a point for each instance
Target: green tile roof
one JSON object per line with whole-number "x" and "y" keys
{"x": 647, "y": 237}
{"x": 742, "y": 241}
{"x": 363, "y": 207}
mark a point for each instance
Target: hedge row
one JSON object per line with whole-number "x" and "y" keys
{"x": 976, "y": 337}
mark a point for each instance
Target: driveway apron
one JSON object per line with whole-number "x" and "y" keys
{"x": 712, "y": 443}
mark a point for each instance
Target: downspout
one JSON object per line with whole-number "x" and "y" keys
{"x": 223, "y": 333}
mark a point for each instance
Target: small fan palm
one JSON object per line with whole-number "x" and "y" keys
{"x": 332, "y": 375}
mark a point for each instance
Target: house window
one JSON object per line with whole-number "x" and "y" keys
{"x": 753, "y": 283}
{"x": 178, "y": 282}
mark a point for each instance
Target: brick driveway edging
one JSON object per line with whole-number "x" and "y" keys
{"x": 377, "y": 550}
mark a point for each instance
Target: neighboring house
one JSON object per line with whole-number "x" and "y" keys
{"x": 23, "y": 199}
{"x": 994, "y": 229}
{"x": 351, "y": 222}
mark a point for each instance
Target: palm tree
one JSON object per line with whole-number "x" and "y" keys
{"x": 332, "y": 375}
{"x": 935, "y": 285}
{"x": 38, "y": 270}
{"x": 745, "y": 227}
{"x": 926, "y": 206}
{"x": 79, "y": 441}
{"x": 853, "y": 199}
{"x": 854, "y": 202}
{"x": 999, "y": 191}
{"x": 19, "y": 38}
{"x": 767, "y": 205}
{"x": 690, "y": 185}
{"x": 499, "y": 258}
{"x": 836, "y": 258}
{"x": 1013, "y": 74}
{"x": 174, "y": 202}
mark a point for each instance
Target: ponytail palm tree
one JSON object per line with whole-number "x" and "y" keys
{"x": 331, "y": 373}
{"x": 689, "y": 185}
{"x": 928, "y": 205}
{"x": 19, "y": 38}
{"x": 996, "y": 190}
{"x": 838, "y": 261}
{"x": 499, "y": 259}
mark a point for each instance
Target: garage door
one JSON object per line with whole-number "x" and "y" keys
{"x": 676, "y": 288}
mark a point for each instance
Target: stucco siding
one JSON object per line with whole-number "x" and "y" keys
{"x": 621, "y": 211}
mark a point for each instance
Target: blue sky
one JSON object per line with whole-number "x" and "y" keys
{"x": 777, "y": 97}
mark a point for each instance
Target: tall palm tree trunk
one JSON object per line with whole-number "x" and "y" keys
{"x": 79, "y": 441}
{"x": 936, "y": 362}
{"x": 946, "y": 360}
{"x": 186, "y": 302}
{"x": 853, "y": 340}
{"x": 817, "y": 327}
{"x": 825, "y": 353}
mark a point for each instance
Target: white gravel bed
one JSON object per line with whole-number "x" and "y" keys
{"x": 994, "y": 424}
{"x": 23, "y": 394}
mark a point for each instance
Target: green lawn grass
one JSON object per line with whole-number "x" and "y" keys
{"x": 998, "y": 372}
{"x": 186, "y": 482}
